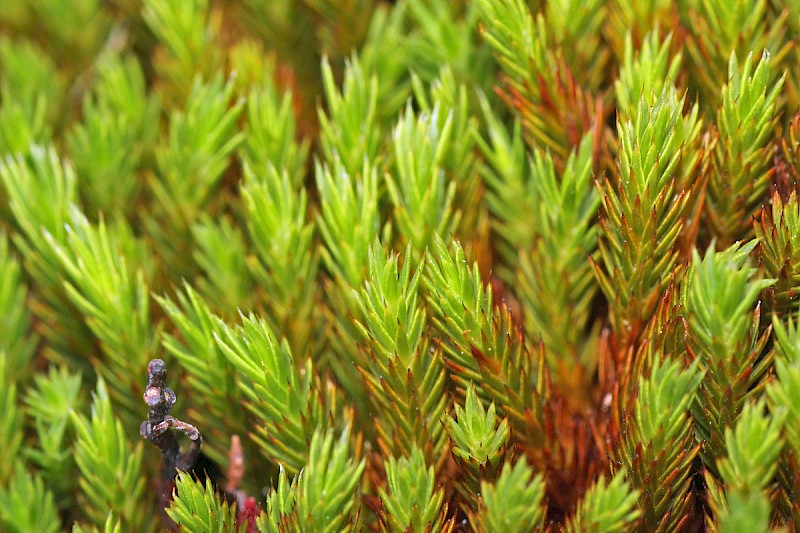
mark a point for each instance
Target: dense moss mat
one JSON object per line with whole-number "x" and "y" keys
{"x": 420, "y": 265}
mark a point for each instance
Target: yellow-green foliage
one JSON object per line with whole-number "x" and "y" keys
{"x": 411, "y": 265}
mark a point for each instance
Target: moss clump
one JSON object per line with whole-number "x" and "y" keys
{"x": 412, "y": 265}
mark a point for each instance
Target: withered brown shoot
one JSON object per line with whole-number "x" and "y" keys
{"x": 160, "y": 399}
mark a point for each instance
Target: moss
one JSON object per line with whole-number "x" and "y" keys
{"x": 412, "y": 265}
